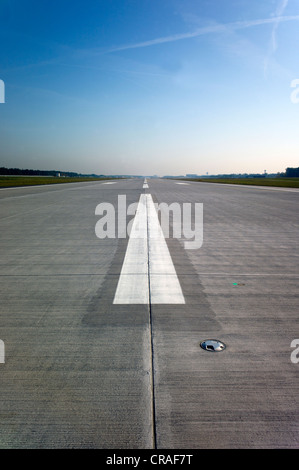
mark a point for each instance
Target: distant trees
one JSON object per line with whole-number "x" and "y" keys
{"x": 18, "y": 171}
{"x": 292, "y": 172}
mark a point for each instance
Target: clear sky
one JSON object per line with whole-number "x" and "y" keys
{"x": 149, "y": 86}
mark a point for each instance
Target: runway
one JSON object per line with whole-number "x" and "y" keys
{"x": 85, "y": 368}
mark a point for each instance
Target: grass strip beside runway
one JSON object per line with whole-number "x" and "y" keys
{"x": 13, "y": 181}
{"x": 281, "y": 182}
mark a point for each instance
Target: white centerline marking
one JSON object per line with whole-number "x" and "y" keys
{"x": 133, "y": 286}
{"x": 164, "y": 284}
{"x": 148, "y": 274}
{"x": 184, "y": 183}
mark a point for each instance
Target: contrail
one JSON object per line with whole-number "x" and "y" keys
{"x": 211, "y": 29}
{"x": 280, "y": 9}
{"x": 273, "y": 43}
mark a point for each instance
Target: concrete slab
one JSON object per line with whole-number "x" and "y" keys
{"x": 80, "y": 372}
{"x": 241, "y": 287}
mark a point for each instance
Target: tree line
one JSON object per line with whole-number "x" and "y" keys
{"x": 292, "y": 172}
{"x": 21, "y": 172}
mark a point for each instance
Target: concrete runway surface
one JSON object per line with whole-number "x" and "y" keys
{"x": 81, "y": 371}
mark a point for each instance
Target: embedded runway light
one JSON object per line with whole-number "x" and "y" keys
{"x": 212, "y": 345}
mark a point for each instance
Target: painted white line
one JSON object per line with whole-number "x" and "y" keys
{"x": 187, "y": 184}
{"x": 2, "y": 352}
{"x": 65, "y": 185}
{"x": 133, "y": 285}
{"x": 37, "y": 186}
{"x": 145, "y": 186}
{"x": 164, "y": 284}
{"x": 148, "y": 274}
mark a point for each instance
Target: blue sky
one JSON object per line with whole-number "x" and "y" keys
{"x": 149, "y": 86}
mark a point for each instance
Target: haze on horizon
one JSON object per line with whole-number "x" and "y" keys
{"x": 149, "y": 87}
